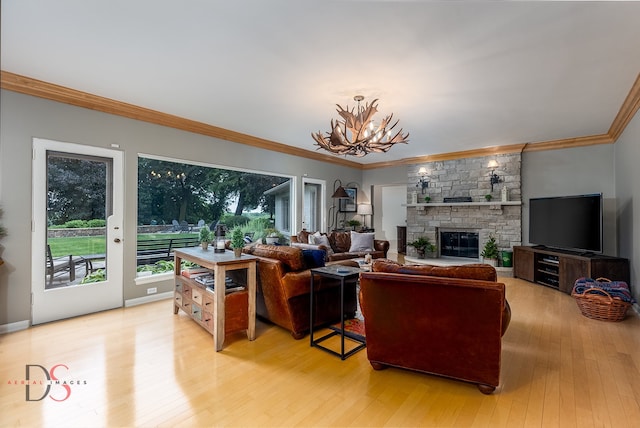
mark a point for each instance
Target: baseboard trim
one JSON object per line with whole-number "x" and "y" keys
{"x": 148, "y": 299}
{"x": 14, "y": 326}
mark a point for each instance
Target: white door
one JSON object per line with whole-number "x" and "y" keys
{"x": 313, "y": 204}
{"x": 77, "y": 215}
{"x": 393, "y": 213}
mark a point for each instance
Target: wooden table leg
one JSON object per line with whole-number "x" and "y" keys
{"x": 251, "y": 280}
{"x": 218, "y": 306}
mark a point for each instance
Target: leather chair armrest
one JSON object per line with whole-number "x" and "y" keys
{"x": 381, "y": 245}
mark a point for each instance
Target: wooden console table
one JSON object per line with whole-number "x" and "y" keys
{"x": 217, "y": 312}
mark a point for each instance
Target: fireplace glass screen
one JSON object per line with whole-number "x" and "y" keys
{"x": 459, "y": 244}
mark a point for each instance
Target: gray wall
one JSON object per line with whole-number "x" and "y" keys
{"x": 24, "y": 117}
{"x": 566, "y": 172}
{"x": 627, "y": 157}
{"x": 605, "y": 169}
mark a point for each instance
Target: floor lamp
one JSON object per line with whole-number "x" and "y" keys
{"x": 338, "y": 193}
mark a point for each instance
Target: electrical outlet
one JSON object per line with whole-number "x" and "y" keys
{"x": 152, "y": 290}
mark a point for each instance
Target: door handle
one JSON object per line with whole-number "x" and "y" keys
{"x": 116, "y": 240}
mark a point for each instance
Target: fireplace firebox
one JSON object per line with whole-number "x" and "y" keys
{"x": 456, "y": 243}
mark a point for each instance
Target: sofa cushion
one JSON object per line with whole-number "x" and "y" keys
{"x": 303, "y": 237}
{"x": 361, "y": 242}
{"x": 289, "y": 256}
{"x": 477, "y": 271}
{"x": 313, "y": 258}
{"x": 340, "y": 242}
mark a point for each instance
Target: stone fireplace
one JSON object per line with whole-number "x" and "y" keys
{"x": 459, "y": 227}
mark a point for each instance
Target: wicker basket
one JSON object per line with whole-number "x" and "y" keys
{"x": 597, "y": 304}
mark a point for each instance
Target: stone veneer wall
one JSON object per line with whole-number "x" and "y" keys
{"x": 467, "y": 177}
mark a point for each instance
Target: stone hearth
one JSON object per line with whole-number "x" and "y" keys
{"x": 464, "y": 178}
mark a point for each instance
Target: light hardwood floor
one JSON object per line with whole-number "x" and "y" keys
{"x": 144, "y": 366}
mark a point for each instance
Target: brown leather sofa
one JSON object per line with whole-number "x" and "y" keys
{"x": 340, "y": 246}
{"x": 284, "y": 284}
{"x": 447, "y": 321}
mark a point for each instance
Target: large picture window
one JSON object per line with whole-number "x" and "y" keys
{"x": 177, "y": 198}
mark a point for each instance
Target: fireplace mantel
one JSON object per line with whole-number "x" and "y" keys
{"x": 462, "y": 204}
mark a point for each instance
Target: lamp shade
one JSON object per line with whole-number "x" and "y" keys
{"x": 340, "y": 193}
{"x": 365, "y": 209}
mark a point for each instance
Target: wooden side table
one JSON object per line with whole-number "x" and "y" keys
{"x": 343, "y": 273}
{"x": 219, "y": 263}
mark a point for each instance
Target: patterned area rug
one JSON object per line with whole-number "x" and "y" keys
{"x": 352, "y": 328}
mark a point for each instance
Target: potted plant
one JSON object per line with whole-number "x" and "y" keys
{"x": 205, "y": 237}
{"x": 272, "y": 236}
{"x": 488, "y": 197}
{"x": 427, "y": 199}
{"x": 422, "y": 246}
{"x": 237, "y": 241}
{"x": 490, "y": 251}
{"x": 353, "y": 224}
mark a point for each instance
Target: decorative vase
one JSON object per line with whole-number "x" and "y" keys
{"x": 205, "y": 245}
{"x": 237, "y": 252}
{"x": 421, "y": 254}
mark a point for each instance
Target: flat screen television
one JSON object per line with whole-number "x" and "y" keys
{"x": 568, "y": 222}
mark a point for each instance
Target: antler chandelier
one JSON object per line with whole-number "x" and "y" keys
{"x": 357, "y": 135}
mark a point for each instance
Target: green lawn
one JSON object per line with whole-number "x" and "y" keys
{"x": 83, "y": 245}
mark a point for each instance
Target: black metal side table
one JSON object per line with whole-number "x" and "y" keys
{"x": 343, "y": 273}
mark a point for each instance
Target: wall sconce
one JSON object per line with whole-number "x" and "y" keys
{"x": 423, "y": 183}
{"x": 493, "y": 177}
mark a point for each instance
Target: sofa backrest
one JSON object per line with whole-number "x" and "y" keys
{"x": 340, "y": 241}
{"x": 291, "y": 257}
{"x": 476, "y": 271}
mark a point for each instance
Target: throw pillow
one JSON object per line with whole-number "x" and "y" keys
{"x": 361, "y": 242}
{"x": 322, "y": 240}
{"x": 313, "y": 258}
{"x": 312, "y": 238}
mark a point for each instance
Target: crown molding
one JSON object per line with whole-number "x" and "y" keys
{"x": 475, "y": 153}
{"x": 628, "y": 109}
{"x": 38, "y": 88}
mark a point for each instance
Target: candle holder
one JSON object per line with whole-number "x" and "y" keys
{"x": 221, "y": 241}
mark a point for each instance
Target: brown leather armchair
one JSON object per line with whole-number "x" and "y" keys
{"x": 449, "y": 325}
{"x": 283, "y": 291}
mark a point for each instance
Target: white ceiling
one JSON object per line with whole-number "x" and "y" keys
{"x": 458, "y": 75}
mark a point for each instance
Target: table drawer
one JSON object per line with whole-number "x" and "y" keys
{"x": 196, "y": 296}
{"x": 186, "y": 291}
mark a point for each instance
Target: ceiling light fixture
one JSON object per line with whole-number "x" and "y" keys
{"x": 357, "y": 135}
